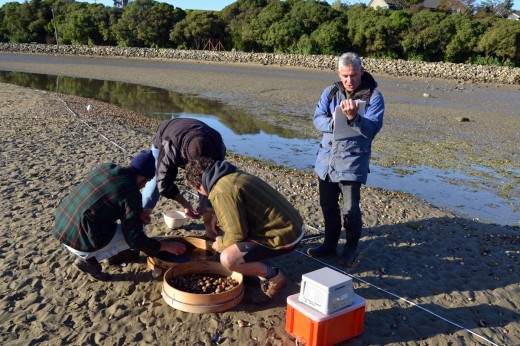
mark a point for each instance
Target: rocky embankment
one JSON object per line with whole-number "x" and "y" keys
{"x": 460, "y": 72}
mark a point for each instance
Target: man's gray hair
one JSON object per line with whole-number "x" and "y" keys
{"x": 349, "y": 60}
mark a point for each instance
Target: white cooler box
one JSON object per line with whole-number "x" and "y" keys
{"x": 326, "y": 290}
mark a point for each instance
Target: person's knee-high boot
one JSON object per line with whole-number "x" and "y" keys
{"x": 353, "y": 228}
{"x": 332, "y": 234}
{"x": 329, "y": 197}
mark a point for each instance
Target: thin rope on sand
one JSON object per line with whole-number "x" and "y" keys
{"x": 393, "y": 294}
{"x": 316, "y": 259}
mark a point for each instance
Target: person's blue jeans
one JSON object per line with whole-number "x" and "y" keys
{"x": 150, "y": 192}
{"x": 332, "y": 214}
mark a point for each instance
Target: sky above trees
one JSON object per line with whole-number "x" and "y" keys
{"x": 476, "y": 35}
{"x": 217, "y": 5}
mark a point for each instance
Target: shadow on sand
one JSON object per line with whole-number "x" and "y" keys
{"x": 457, "y": 270}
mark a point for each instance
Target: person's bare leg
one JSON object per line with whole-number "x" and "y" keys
{"x": 233, "y": 259}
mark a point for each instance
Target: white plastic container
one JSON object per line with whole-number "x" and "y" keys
{"x": 326, "y": 290}
{"x": 174, "y": 218}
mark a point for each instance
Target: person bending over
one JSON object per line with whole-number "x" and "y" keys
{"x": 175, "y": 143}
{"x": 257, "y": 222}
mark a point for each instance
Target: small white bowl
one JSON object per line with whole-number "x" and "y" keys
{"x": 174, "y": 218}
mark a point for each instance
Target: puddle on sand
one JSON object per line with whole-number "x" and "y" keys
{"x": 454, "y": 190}
{"x": 246, "y": 135}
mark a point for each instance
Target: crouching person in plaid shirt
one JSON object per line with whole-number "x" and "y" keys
{"x": 101, "y": 217}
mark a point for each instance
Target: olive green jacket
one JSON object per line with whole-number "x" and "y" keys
{"x": 249, "y": 209}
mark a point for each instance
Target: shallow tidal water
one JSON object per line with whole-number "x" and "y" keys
{"x": 245, "y": 134}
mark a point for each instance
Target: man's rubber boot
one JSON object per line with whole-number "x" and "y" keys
{"x": 328, "y": 247}
{"x": 324, "y": 250}
{"x": 348, "y": 255}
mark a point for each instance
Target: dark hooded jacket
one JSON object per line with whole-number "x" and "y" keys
{"x": 180, "y": 141}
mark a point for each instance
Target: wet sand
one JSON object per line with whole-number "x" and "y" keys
{"x": 463, "y": 271}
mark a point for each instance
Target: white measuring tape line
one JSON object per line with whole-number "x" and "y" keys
{"x": 106, "y": 138}
{"x": 393, "y": 294}
{"x": 316, "y": 259}
{"x": 98, "y": 132}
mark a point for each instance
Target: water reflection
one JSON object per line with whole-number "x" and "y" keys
{"x": 270, "y": 148}
{"x": 472, "y": 196}
{"x": 149, "y": 101}
{"x": 246, "y": 135}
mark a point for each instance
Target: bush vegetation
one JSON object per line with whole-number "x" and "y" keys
{"x": 467, "y": 35}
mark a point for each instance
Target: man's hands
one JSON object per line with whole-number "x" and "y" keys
{"x": 146, "y": 216}
{"x": 192, "y": 214}
{"x": 350, "y": 108}
{"x": 173, "y": 247}
{"x": 188, "y": 209}
{"x": 214, "y": 245}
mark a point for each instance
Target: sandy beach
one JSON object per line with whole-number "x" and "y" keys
{"x": 429, "y": 276}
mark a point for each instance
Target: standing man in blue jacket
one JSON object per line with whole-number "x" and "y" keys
{"x": 342, "y": 164}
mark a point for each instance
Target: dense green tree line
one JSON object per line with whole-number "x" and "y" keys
{"x": 469, "y": 35}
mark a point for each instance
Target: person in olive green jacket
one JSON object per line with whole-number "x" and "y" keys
{"x": 256, "y": 221}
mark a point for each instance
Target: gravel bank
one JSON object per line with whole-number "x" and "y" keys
{"x": 459, "y": 72}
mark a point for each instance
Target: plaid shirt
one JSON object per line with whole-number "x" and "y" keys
{"x": 86, "y": 218}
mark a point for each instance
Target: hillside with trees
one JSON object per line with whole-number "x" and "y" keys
{"x": 458, "y": 31}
